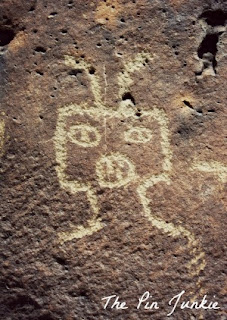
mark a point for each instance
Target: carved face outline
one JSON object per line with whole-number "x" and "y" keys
{"x": 89, "y": 133}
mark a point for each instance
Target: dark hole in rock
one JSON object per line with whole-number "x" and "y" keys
{"x": 188, "y": 104}
{"x": 52, "y": 14}
{"x": 40, "y": 49}
{"x": 32, "y": 9}
{"x": 209, "y": 44}
{"x": 101, "y": 191}
{"x": 74, "y": 72}
{"x": 198, "y": 73}
{"x": 208, "y": 49}
{"x": 92, "y": 70}
{"x": 128, "y": 96}
{"x": 39, "y": 72}
{"x": 199, "y": 110}
{"x": 214, "y": 17}
{"x": 6, "y": 36}
{"x": 61, "y": 261}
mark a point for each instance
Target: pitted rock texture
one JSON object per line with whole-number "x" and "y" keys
{"x": 112, "y": 157}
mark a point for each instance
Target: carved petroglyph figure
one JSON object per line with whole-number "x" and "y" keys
{"x": 99, "y": 139}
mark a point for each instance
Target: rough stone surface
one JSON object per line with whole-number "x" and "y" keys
{"x": 113, "y": 166}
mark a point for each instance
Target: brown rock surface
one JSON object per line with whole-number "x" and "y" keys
{"x": 113, "y": 167}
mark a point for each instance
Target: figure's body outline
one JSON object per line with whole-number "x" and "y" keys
{"x": 197, "y": 263}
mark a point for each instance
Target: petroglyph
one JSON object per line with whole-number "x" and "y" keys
{"x": 81, "y": 231}
{"x": 212, "y": 167}
{"x": 84, "y": 135}
{"x": 138, "y": 135}
{"x": 197, "y": 263}
{"x": 116, "y": 169}
{"x": 81, "y": 64}
{"x": 125, "y": 76}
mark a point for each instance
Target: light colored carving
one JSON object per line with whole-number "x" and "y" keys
{"x": 79, "y": 232}
{"x": 81, "y": 64}
{"x": 74, "y": 186}
{"x": 115, "y": 170}
{"x": 125, "y": 76}
{"x": 214, "y": 167}
{"x": 138, "y": 135}
{"x": 197, "y": 263}
{"x": 84, "y": 135}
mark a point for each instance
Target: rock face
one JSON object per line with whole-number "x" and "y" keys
{"x": 113, "y": 167}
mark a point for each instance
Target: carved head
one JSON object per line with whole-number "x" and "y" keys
{"x": 105, "y": 147}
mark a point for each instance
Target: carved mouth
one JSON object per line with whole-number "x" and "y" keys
{"x": 115, "y": 170}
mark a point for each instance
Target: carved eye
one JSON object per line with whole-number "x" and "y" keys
{"x": 84, "y": 135}
{"x": 138, "y": 135}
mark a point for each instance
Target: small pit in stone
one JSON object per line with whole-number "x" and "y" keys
{"x": 40, "y": 49}
{"x": 188, "y": 104}
{"x": 32, "y": 9}
{"x": 61, "y": 261}
{"x": 128, "y": 96}
{"x": 92, "y": 70}
{"x": 74, "y": 72}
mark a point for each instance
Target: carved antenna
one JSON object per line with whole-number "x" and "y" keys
{"x": 81, "y": 64}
